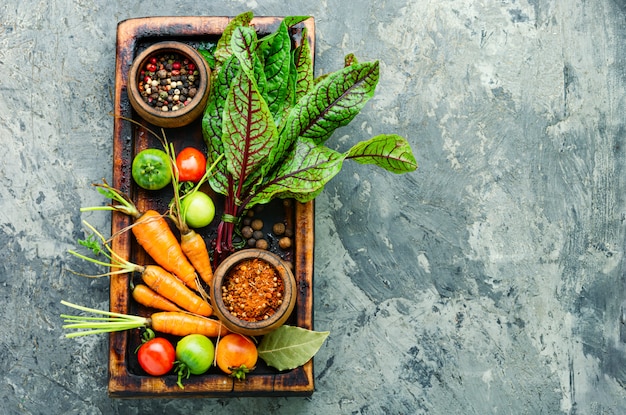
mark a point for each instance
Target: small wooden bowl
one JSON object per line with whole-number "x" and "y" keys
{"x": 253, "y": 328}
{"x": 182, "y": 116}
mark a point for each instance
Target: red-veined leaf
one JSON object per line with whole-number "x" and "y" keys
{"x": 302, "y": 175}
{"x": 389, "y": 151}
{"x": 249, "y": 132}
{"x": 333, "y": 102}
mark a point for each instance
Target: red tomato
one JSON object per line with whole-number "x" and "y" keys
{"x": 236, "y": 355}
{"x": 191, "y": 165}
{"x": 156, "y": 356}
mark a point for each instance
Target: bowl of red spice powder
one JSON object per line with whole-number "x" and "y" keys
{"x": 168, "y": 84}
{"x": 253, "y": 292}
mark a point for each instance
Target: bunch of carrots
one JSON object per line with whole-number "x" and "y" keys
{"x": 172, "y": 285}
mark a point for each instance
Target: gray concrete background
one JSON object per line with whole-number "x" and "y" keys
{"x": 491, "y": 281}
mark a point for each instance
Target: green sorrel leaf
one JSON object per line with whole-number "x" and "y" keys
{"x": 277, "y": 60}
{"x": 248, "y": 130}
{"x": 212, "y": 121}
{"x": 302, "y": 175}
{"x": 303, "y": 61}
{"x": 222, "y": 50}
{"x": 294, "y": 20}
{"x": 244, "y": 44}
{"x": 389, "y": 151}
{"x": 269, "y": 118}
{"x": 299, "y": 80}
{"x": 208, "y": 56}
{"x": 333, "y": 102}
{"x": 289, "y": 347}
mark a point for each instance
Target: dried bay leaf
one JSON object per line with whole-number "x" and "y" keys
{"x": 289, "y": 347}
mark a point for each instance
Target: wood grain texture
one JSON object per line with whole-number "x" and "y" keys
{"x": 124, "y": 380}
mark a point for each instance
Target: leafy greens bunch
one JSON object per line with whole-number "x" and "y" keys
{"x": 270, "y": 119}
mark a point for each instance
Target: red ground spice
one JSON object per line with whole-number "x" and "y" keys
{"x": 252, "y": 291}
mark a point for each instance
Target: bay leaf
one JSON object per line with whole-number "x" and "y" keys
{"x": 289, "y": 347}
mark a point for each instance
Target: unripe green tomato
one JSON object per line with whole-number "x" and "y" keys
{"x": 196, "y": 352}
{"x": 197, "y": 210}
{"x": 151, "y": 169}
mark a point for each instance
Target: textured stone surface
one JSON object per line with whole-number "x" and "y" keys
{"x": 490, "y": 281}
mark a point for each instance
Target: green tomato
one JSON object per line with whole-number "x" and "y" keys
{"x": 197, "y": 209}
{"x": 194, "y": 356}
{"x": 151, "y": 169}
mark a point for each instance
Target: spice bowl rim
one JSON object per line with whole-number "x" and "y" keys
{"x": 254, "y": 328}
{"x": 180, "y": 117}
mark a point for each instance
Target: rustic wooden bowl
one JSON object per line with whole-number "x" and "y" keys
{"x": 253, "y": 328}
{"x": 180, "y": 117}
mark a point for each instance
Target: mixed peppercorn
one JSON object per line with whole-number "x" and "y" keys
{"x": 169, "y": 82}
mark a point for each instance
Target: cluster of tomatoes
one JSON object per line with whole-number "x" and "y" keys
{"x": 151, "y": 170}
{"x": 234, "y": 354}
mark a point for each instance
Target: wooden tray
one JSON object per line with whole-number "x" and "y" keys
{"x": 126, "y": 380}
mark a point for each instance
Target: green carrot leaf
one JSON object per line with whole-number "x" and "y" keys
{"x": 91, "y": 244}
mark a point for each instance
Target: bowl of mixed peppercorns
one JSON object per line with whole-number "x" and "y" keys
{"x": 168, "y": 84}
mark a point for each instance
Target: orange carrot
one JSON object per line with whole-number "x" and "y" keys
{"x": 153, "y": 233}
{"x": 177, "y": 323}
{"x": 155, "y": 236}
{"x": 170, "y": 287}
{"x": 149, "y": 298}
{"x": 195, "y": 250}
{"x": 182, "y": 324}
{"x": 154, "y": 276}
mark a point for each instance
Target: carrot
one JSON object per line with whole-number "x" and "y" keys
{"x": 195, "y": 250}
{"x": 166, "y": 322}
{"x": 170, "y": 287}
{"x": 158, "y": 279}
{"x": 149, "y": 298}
{"x": 181, "y": 324}
{"x": 153, "y": 234}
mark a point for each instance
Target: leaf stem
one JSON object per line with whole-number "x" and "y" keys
{"x": 125, "y": 205}
{"x": 115, "y": 260}
{"x": 97, "y": 325}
